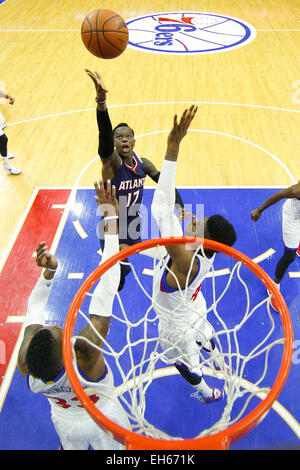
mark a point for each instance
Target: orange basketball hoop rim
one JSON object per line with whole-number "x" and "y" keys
{"x": 221, "y": 440}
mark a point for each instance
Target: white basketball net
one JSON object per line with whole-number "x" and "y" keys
{"x": 137, "y": 374}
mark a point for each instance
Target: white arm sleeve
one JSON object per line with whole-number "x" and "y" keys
{"x": 36, "y": 309}
{"x": 107, "y": 287}
{"x": 157, "y": 252}
{"x": 163, "y": 203}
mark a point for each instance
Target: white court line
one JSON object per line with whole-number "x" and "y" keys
{"x": 18, "y": 229}
{"x": 58, "y": 206}
{"x": 148, "y": 272}
{"x": 241, "y": 139}
{"x": 264, "y": 256}
{"x": 75, "y": 276}
{"x": 10, "y": 368}
{"x": 294, "y": 275}
{"x": 192, "y": 130}
{"x": 78, "y": 227}
{"x": 218, "y": 272}
{"x": 15, "y": 319}
{"x": 151, "y": 103}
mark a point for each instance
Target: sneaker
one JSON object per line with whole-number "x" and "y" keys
{"x": 217, "y": 395}
{"x": 298, "y": 251}
{"x": 273, "y": 302}
{"x": 12, "y": 170}
{"x": 227, "y": 368}
{"x": 10, "y": 155}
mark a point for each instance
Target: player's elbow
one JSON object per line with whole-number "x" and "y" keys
{"x": 155, "y": 211}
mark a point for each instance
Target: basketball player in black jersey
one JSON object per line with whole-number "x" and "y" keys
{"x": 126, "y": 171}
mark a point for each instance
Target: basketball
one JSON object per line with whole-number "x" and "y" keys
{"x": 104, "y": 33}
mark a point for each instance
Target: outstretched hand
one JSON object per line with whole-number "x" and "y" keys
{"x": 44, "y": 259}
{"x": 11, "y": 99}
{"x": 255, "y": 215}
{"x": 107, "y": 200}
{"x": 99, "y": 84}
{"x": 179, "y": 130}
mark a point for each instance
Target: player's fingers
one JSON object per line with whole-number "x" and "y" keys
{"x": 193, "y": 111}
{"x": 183, "y": 117}
{"x": 98, "y": 75}
{"x": 90, "y": 74}
{"x": 41, "y": 244}
{"x": 41, "y": 248}
{"x": 175, "y": 121}
{"x": 40, "y": 258}
{"x": 190, "y": 116}
{"x": 100, "y": 81}
{"x": 96, "y": 186}
{"x": 101, "y": 190}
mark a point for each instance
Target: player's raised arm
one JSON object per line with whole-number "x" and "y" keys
{"x": 100, "y": 88}
{"x": 4, "y": 95}
{"x": 100, "y": 309}
{"x": 109, "y": 158}
{"x": 178, "y": 132}
{"x": 36, "y": 309}
{"x": 164, "y": 196}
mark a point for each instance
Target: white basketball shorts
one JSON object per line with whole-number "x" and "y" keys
{"x": 78, "y": 433}
{"x": 290, "y": 226}
{"x": 3, "y": 124}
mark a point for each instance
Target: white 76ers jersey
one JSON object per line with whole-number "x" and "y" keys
{"x": 182, "y": 316}
{"x": 176, "y": 307}
{"x": 63, "y": 400}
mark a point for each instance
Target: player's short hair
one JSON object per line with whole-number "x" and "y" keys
{"x": 42, "y": 356}
{"x": 220, "y": 230}
{"x": 122, "y": 124}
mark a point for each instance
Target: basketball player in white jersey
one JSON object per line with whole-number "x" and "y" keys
{"x": 290, "y": 228}
{"x": 5, "y": 154}
{"x": 184, "y": 331}
{"x": 40, "y": 358}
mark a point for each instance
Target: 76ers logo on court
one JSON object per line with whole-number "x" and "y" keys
{"x": 188, "y": 33}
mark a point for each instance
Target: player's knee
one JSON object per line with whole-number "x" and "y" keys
{"x": 190, "y": 377}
